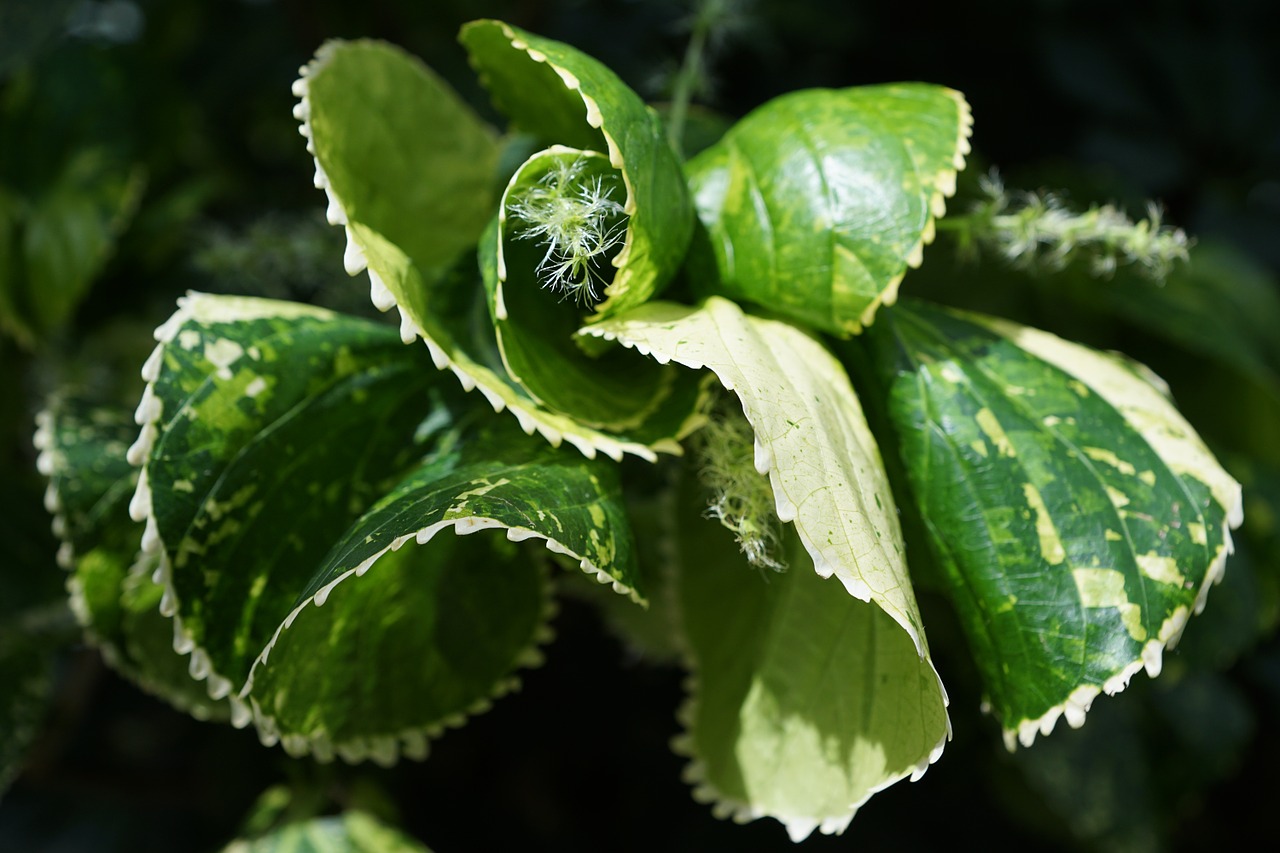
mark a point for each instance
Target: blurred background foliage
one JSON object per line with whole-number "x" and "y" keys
{"x": 148, "y": 147}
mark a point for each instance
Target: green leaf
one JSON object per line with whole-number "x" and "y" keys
{"x": 828, "y": 479}
{"x": 810, "y": 436}
{"x": 815, "y": 204}
{"x": 83, "y": 454}
{"x": 246, "y": 511}
{"x": 804, "y": 702}
{"x": 235, "y": 483}
{"x": 1219, "y": 304}
{"x": 372, "y": 115}
{"x": 615, "y": 390}
{"x": 350, "y": 832}
{"x": 398, "y": 151}
{"x": 1078, "y": 517}
{"x": 455, "y": 617}
{"x": 54, "y": 245}
{"x": 564, "y": 96}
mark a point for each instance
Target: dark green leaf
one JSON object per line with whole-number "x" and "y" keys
{"x": 271, "y": 428}
{"x": 83, "y": 451}
{"x": 452, "y": 615}
{"x": 1079, "y": 518}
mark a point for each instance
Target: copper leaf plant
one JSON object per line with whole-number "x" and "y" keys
{"x": 347, "y": 534}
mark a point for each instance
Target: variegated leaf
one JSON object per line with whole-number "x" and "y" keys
{"x": 264, "y": 424}
{"x": 1079, "y": 519}
{"x": 813, "y": 442}
{"x": 371, "y": 115}
{"x": 82, "y": 452}
{"x": 455, "y": 614}
{"x": 614, "y": 390}
{"x": 269, "y": 429}
{"x": 803, "y": 702}
{"x": 811, "y": 439}
{"x": 815, "y": 204}
{"x": 563, "y": 96}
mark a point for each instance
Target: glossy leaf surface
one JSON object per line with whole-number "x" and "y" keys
{"x": 1079, "y": 518}
{"x": 815, "y": 204}
{"x": 810, "y": 438}
{"x": 407, "y": 233}
{"x": 614, "y": 390}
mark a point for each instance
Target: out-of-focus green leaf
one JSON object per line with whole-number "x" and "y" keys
{"x": 1078, "y": 517}
{"x": 815, "y": 204}
{"x": 350, "y": 832}
{"x": 1219, "y": 304}
{"x": 53, "y": 245}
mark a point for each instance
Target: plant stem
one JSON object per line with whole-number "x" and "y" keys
{"x": 691, "y": 71}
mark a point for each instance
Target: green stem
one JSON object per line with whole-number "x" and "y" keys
{"x": 691, "y": 70}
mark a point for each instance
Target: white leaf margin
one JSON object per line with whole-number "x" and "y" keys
{"x": 630, "y": 330}
{"x": 384, "y": 750}
{"x": 51, "y": 463}
{"x": 1142, "y": 399}
{"x": 552, "y": 426}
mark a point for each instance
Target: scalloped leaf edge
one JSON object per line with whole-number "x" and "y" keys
{"x": 552, "y": 426}
{"x": 413, "y": 742}
{"x": 730, "y": 808}
{"x": 944, "y": 188}
{"x": 1069, "y": 357}
{"x": 385, "y": 750}
{"x": 724, "y": 807}
{"x": 48, "y": 463}
{"x": 596, "y": 121}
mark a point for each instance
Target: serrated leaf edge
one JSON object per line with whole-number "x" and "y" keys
{"x": 553, "y": 427}
{"x": 1069, "y": 358}
{"x": 766, "y": 465}
{"x": 944, "y": 188}
{"x": 147, "y": 416}
{"x": 50, "y": 462}
{"x": 595, "y": 119}
{"x": 724, "y": 807}
{"x": 414, "y": 742}
{"x": 243, "y": 709}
